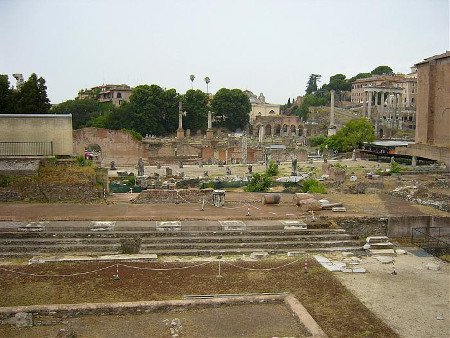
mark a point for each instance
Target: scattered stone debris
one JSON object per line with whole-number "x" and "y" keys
{"x": 259, "y": 255}
{"x": 23, "y": 319}
{"x": 384, "y": 259}
{"x": 433, "y": 266}
{"x": 175, "y": 327}
{"x": 340, "y": 266}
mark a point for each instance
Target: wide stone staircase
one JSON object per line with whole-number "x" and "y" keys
{"x": 171, "y": 238}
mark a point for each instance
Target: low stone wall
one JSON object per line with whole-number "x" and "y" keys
{"x": 364, "y": 226}
{"x": 18, "y": 166}
{"x": 401, "y": 226}
{"x": 23, "y": 316}
{"x": 174, "y": 196}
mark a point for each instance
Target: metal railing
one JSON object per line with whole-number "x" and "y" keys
{"x": 26, "y": 148}
{"x": 434, "y": 240}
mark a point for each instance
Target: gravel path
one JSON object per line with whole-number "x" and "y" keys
{"x": 411, "y": 301}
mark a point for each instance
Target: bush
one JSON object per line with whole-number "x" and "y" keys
{"x": 83, "y": 162}
{"x": 272, "y": 169}
{"x": 259, "y": 183}
{"x": 313, "y": 186}
{"x": 133, "y": 133}
{"x": 395, "y": 168}
{"x": 4, "y": 181}
{"x": 318, "y": 140}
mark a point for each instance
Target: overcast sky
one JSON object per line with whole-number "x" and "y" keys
{"x": 268, "y": 46}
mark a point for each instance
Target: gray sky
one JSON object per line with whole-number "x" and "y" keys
{"x": 265, "y": 46}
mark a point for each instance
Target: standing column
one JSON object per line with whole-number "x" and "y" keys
{"x": 365, "y": 103}
{"x": 209, "y": 131}
{"x": 332, "y": 109}
{"x": 180, "y": 131}
{"x": 369, "y": 108}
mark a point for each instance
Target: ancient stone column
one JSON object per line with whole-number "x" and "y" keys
{"x": 365, "y": 103}
{"x": 209, "y": 131}
{"x": 180, "y": 131}
{"x": 209, "y": 120}
{"x": 369, "y": 108}
{"x": 332, "y": 109}
{"x": 261, "y": 134}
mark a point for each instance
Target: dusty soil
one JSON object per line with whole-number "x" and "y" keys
{"x": 236, "y": 207}
{"x": 336, "y": 310}
{"x": 227, "y": 321}
{"x": 411, "y": 301}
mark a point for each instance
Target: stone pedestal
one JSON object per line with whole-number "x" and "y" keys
{"x": 180, "y": 133}
{"x": 209, "y": 134}
{"x": 332, "y": 131}
{"x": 218, "y": 198}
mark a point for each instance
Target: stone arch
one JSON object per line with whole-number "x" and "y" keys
{"x": 293, "y": 130}
{"x": 285, "y": 130}
{"x": 277, "y": 130}
{"x": 380, "y": 133}
{"x": 268, "y": 130}
{"x": 93, "y": 151}
{"x": 272, "y": 112}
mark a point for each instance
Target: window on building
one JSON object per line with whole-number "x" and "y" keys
{"x": 412, "y": 100}
{"x": 120, "y": 102}
{"x": 119, "y": 95}
{"x": 271, "y": 112}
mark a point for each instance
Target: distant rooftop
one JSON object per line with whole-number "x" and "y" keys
{"x": 435, "y": 57}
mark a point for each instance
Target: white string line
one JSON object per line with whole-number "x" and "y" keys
{"x": 261, "y": 269}
{"x": 165, "y": 269}
{"x": 51, "y": 275}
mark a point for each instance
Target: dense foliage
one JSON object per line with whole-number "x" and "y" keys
{"x": 84, "y": 112}
{"x": 231, "y": 109}
{"x": 351, "y": 135}
{"x": 30, "y": 98}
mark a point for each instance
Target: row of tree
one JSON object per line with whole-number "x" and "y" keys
{"x": 29, "y": 98}
{"x": 151, "y": 110}
{"x": 315, "y": 96}
{"x": 154, "y": 110}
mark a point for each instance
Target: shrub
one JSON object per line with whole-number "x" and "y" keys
{"x": 259, "y": 183}
{"x": 133, "y": 133}
{"x": 395, "y": 168}
{"x": 4, "y": 181}
{"x": 318, "y": 140}
{"x": 83, "y": 162}
{"x": 272, "y": 169}
{"x": 313, "y": 186}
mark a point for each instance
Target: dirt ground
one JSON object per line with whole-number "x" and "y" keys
{"x": 336, "y": 310}
{"x": 268, "y": 320}
{"x": 412, "y": 301}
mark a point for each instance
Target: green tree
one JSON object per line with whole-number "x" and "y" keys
{"x": 311, "y": 100}
{"x": 339, "y": 83}
{"x": 83, "y": 111}
{"x": 151, "y": 110}
{"x": 195, "y": 103}
{"x": 231, "y": 108}
{"x": 32, "y": 97}
{"x": 382, "y": 70}
{"x": 352, "y": 135}
{"x": 6, "y": 96}
{"x": 359, "y": 76}
{"x": 311, "y": 86}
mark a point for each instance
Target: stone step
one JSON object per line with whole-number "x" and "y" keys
{"x": 382, "y": 252}
{"x": 154, "y": 233}
{"x": 95, "y": 248}
{"x": 381, "y": 245}
{"x": 377, "y": 239}
{"x": 196, "y": 252}
{"x": 148, "y": 240}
